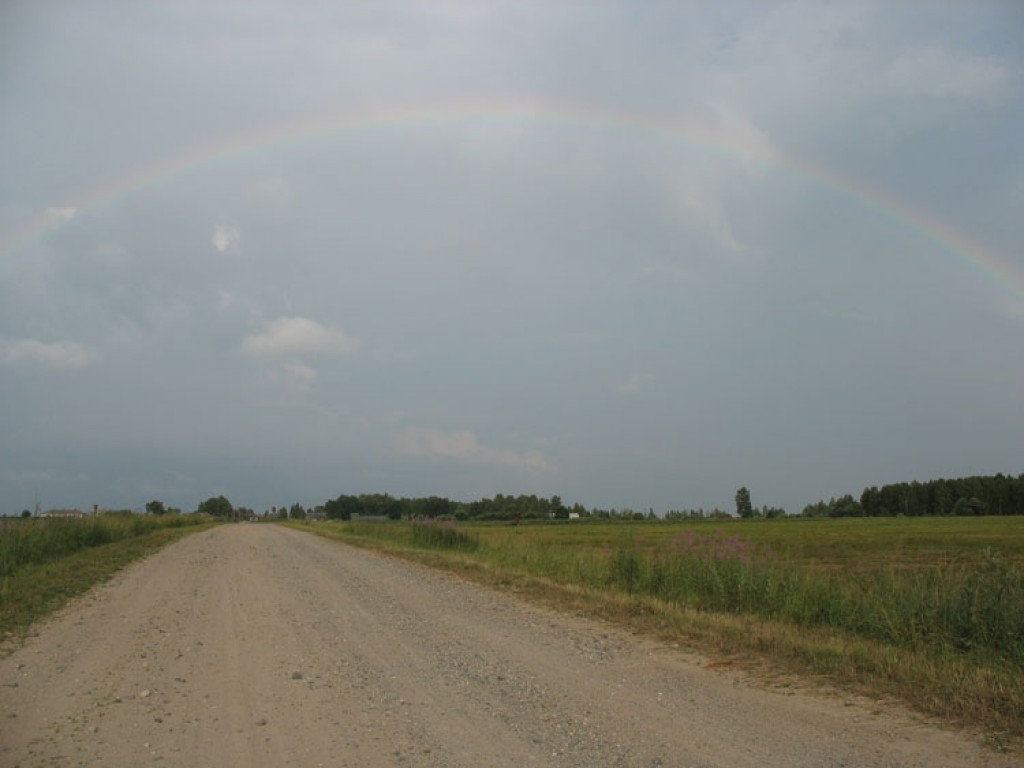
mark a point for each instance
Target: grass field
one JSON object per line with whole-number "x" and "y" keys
{"x": 930, "y": 610}
{"x": 45, "y": 562}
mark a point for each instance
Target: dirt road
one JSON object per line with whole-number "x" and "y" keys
{"x": 255, "y": 645}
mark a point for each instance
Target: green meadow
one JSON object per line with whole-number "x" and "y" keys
{"x": 927, "y": 610}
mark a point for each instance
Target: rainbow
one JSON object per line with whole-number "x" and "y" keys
{"x": 744, "y": 145}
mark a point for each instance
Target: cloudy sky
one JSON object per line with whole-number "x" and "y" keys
{"x": 631, "y": 253}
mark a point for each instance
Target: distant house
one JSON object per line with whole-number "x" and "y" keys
{"x": 62, "y": 513}
{"x": 316, "y": 514}
{"x": 574, "y": 515}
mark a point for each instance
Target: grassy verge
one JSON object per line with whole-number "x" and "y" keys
{"x": 930, "y": 612}
{"x": 39, "y": 581}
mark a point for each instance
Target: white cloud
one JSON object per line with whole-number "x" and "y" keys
{"x": 299, "y": 336}
{"x": 1012, "y": 308}
{"x": 706, "y": 211}
{"x": 56, "y": 355}
{"x": 239, "y": 303}
{"x": 58, "y": 215}
{"x": 735, "y": 129}
{"x": 302, "y": 374}
{"x": 464, "y": 446}
{"x": 936, "y": 72}
{"x": 227, "y": 239}
{"x": 635, "y": 382}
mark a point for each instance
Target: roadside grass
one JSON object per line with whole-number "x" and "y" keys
{"x": 44, "y": 563}
{"x": 926, "y": 610}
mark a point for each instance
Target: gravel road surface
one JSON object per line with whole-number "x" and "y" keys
{"x": 255, "y": 645}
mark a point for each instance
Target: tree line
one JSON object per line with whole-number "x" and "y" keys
{"x": 501, "y": 507}
{"x": 979, "y": 495}
{"x": 385, "y": 506}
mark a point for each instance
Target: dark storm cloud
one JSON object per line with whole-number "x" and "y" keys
{"x": 580, "y": 302}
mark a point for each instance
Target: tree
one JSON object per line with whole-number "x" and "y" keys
{"x": 155, "y": 507}
{"x": 970, "y": 506}
{"x": 743, "y": 506}
{"x": 392, "y": 508}
{"x": 434, "y": 506}
{"x": 871, "y": 501}
{"x": 558, "y": 509}
{"x": 296, "y": 512}
{"x": 343, "y": 507}
{"x": 217, "y": 506}
{"x": 847, "y": 506}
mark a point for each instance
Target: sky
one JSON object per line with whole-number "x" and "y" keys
{"x": 635, "y": 254}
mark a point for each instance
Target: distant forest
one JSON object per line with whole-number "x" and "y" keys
{"x": 996, "y": 495}
{"x": 982, "y": 495}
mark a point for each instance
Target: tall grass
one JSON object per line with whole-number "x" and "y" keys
{"x": 442, "y": 535}
{"x": 44, "y": 540}
{"x": 975, "y": 608}
{"x": 435, "y": 534}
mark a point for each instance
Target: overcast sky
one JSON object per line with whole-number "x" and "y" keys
{"x": 636, "y": 254}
